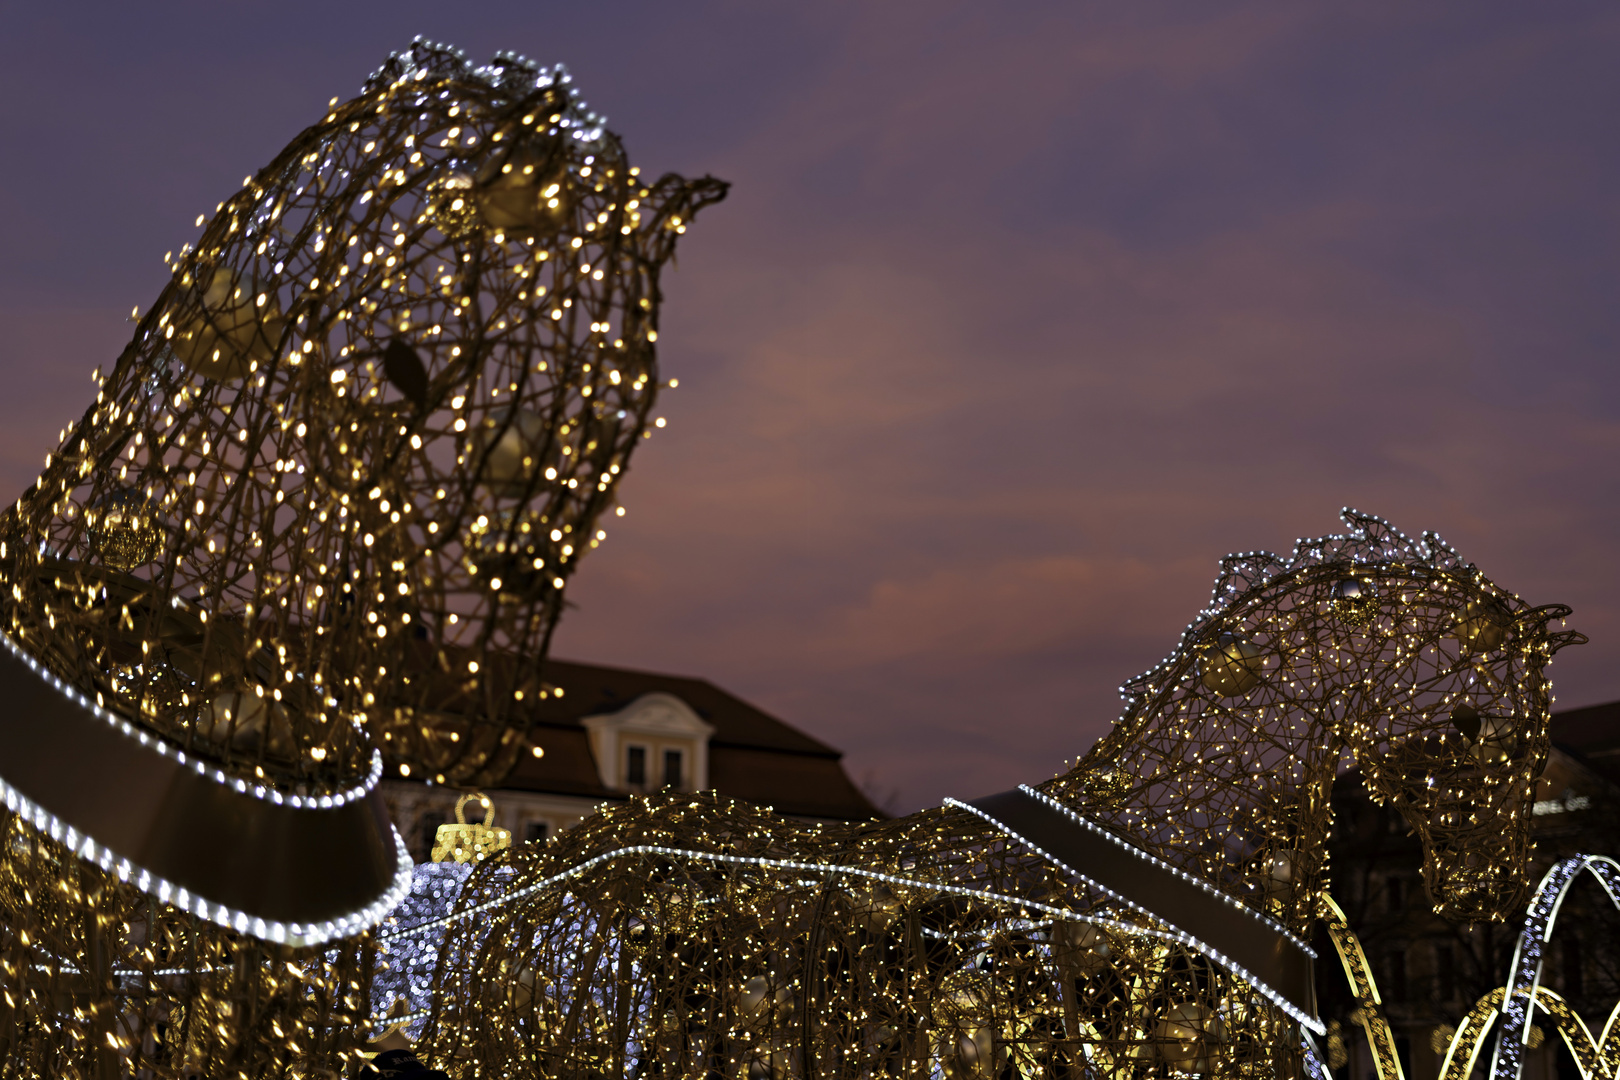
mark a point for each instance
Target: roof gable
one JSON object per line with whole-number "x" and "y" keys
{"x": 591, "y": 690}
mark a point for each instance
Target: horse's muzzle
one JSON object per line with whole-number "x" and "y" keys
{"x": 1478, "y": 874}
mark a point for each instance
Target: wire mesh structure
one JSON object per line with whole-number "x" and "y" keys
{"x": 321, "y": 514}
{"x": 685, "y": 935}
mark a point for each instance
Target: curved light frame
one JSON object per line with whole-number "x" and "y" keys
{"x": 1597, "y": 1059}
{"x": 1525, "y": 980}
{"x": 293, "y": 870}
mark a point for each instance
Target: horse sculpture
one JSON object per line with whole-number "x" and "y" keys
{"x": 349, "y": 460}
{"x": 1142, "y": 912}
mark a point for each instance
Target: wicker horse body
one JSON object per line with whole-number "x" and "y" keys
{"x": 686, "y": 935}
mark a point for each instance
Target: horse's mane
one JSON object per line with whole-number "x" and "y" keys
{"x": 510, "y": 72}
{"x": 1370, "y": 541}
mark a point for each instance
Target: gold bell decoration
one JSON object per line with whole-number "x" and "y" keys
{"x": 124, "y": 530}
{"x": 465, "y": 841}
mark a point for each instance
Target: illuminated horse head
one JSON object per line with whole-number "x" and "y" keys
{"x": 363, "y": 436}
{"x": 1370, "y": 646}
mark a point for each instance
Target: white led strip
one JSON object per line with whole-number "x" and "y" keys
{"x": 777, "y": 864}
{"x": 1113, "y": 925}
{"x": 1225, "y": 898}
{"x": 201, "y": 768}
{"x": 85, "y": 847}
{"x": 295, "y": 934}
{"x": 1173, "y": 934}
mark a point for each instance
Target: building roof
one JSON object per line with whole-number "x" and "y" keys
{"x": 1593, "y": 735}
{"x": 752, "y": 755}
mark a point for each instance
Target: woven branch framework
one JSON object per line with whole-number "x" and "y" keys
{"x": 325, "y": 505}
{"x": 687, "y": 936}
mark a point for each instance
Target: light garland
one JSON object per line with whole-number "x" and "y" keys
{"x": 298, "y": 935}
{"x": 1512, "y": 1004}
{"x": 410, "y": 952}
{"x": 1523, "y": 986}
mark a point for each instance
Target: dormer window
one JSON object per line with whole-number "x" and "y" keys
{"x": 656, "y": 741}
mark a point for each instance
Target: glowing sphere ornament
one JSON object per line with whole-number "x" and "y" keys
{"x": 1355, "y": 602}
{"x": 1232, "y": 665}
{"x": 1483, "y": 626}
{"x": 454, "y": 209}
{"x": 1188, "y": 1037}
{"x": 527, "y": 186}
{"x": 225, "y": 323}
{"x": 1108, "y": 787}
{"x": 125, "y": 530}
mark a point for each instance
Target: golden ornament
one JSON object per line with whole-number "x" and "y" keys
{"x": 124, "y": 530}
{"x": 463, "y": 841}
{"x": 1231, "y": 666}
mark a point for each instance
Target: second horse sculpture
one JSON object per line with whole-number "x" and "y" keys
{"x": 1141, "y": 913}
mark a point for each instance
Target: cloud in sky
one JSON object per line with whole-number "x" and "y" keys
{"x": 1013, "y": 325}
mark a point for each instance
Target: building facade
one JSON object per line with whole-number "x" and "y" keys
{"x": 607, "y": 734}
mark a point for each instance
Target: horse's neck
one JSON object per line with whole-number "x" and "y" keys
{"x": 1221, "y": 794}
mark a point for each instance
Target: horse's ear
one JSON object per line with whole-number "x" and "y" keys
{"x": 1536, "y": 620}
{"x": 671, "y": 203}
{"x": 1240, "y": 573}
{"x": 1565, "y": 637}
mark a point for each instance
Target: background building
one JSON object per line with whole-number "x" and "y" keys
{"x": 1431, "y": 971}
{"x": 613, "y": 733}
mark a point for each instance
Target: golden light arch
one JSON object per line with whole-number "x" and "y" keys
{"x": 1598, "y": 1058}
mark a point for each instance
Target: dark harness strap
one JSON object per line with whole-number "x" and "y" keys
{"x": 1212, "y": 923}
{"x": 65, "y": 767}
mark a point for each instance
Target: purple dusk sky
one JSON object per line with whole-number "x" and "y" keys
{"x": 1019, "y": 316}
